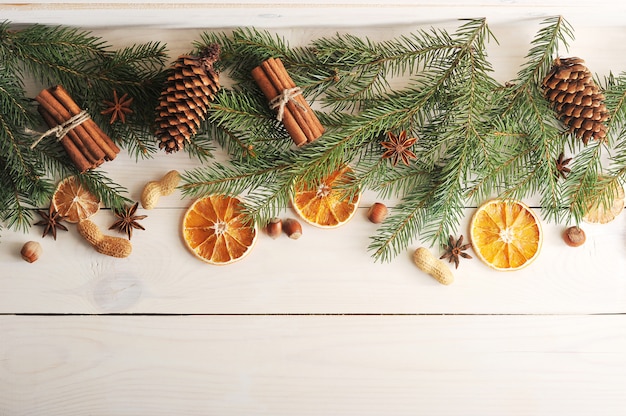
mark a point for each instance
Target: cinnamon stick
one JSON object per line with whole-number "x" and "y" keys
{"x": 61, "y": 115}
{"x": 312, "y": 121}
{"x": 75, "y": 154}
{"x": 277, "y": 79}
{"x": 271, "y": 92}
{"x": 99, "y": 137}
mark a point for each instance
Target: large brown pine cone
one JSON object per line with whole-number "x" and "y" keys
{"x": 185, "y": 100}
{"x": 576, "y": 98}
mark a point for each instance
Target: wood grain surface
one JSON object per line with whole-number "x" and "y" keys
{"x": 313, "y": 326}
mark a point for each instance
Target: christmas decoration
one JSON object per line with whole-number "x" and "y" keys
{"x": 127, "y": 220}
{"x": 216, "y": 230}
{"x": 51, "y": 221}
{"x": 505, "y": 234}
{"x": 377, "y": 212}
{"x": 561, "y": 166}
{"x": 184, "y": 101}
{"x": 455, "y": 249}
{"x": 326, "y": 203}
{"x": 88, "y": 146}
{"x": 602, "y": 211}
{"x": 74, "y": 201}
{"x": 398, "y": 148}
{"x": 31, "y": 250}
{"x": 104, "y": 244}
{"x": 156, "y": 189}
{"x": 274, "y": 228}
{"x": 429, "y": 264}
{"x": 478, "y": 138}
{"x": 284, "y": 96}
{"x": 574, "y": 236}
{"x": 292, "y": 228}
{"x": 118, "y": 108}
{"x": 89, "y": 68}
{"x": 576, "y": 98}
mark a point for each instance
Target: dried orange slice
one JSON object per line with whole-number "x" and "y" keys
{"x": 73, "y": 201}
{"x": 506, "y": 234}
{"x": 328, "y": 203}
{"x": 216, "y": 231}
{"x": 600, "y": 213}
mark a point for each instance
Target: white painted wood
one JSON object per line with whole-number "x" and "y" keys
{"x": 325, "y": 271}
{"x": 276, "y": 340}
{"x": 223, "y": 13}
{"x": 313, "y": 365}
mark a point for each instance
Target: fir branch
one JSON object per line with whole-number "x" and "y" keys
{"x": 452, "y": 143}
{"x": 87, "y": 67}
{"x": 231, "y": 179}
{"x": 590, "y": 182}
{"x": 110, "y": 193}
{"x": 268, "y": 202}
{"x": 522, "y": 111}
{"x": 244, "y": 125}
{"x": 60, "y": 53}
{"x": 21, "y": 183}
{"x": 352, "y": 71}
{"x": 245, "y": 48}
{"x": 614, "y": 88}
{"x": 403, "y": 224}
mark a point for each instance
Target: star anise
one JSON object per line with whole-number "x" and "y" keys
{"x": 398, "y": 148}
{"x": 128, "y": 220}
{"x": 118, "y": 108}
{"x": 561, "y": 166}
{"x": 51, "y": 221}
{"x": 454, "y": 250}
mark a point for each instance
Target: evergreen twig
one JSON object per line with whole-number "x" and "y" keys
{"x": 90, "y": 70}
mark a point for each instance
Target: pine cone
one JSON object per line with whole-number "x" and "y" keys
{"x": 185, "y": 100}
{"x": 576, "y": 98}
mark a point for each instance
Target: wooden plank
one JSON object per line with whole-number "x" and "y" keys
{"x": 325, "y": 271}
{"x": 222, "y": 13}
{"x": 312, "y": 365}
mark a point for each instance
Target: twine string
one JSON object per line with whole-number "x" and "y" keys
{"x": 62, "y": 129}
{"x": 281, "y": 100}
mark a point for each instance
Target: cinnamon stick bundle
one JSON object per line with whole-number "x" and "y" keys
{"x": 278, "y": 87}
{"x": 85, "y": 143}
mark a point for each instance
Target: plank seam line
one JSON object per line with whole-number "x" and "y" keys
{"x": 306, "y": 314}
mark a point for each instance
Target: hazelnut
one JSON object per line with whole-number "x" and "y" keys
{"x": 292, "y": 228}
{"x": 31, "y": 251}
{"x": 377, "y": 213}
{"x": 274, "y": 228}
{"x": 574, "y": 236}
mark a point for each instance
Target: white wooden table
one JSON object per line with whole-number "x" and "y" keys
{"x": 313, "y": 326}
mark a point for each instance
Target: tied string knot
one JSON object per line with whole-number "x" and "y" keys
{"x": 62, "y": 129}
{"x": 283, "y": 98}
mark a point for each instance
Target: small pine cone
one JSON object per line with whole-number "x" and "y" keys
{"x": 570, "y": 88}
{"x": 185, "y": 100}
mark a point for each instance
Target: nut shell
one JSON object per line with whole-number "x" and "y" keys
{"x": 377, "y": 213}
{"x": 31, "y": 250}
{"x": 274, "y": 228}
{"x": 574, "y": 236}
{"x": 292, "y": 228}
